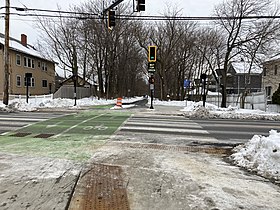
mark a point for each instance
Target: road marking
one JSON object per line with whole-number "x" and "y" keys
{"x": 100, "y": 127}
{"x": 165, "y": 124}
{"x": 22, "y": 119}
{"x": 87, "y": 128}
{"x": 178, "y": 130}
{"x": 54, "y": 125}
{"x": 74, "y": 126}
{"x": 4, "y": 134}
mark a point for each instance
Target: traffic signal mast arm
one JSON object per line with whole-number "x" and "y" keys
{"x": 112, "y": 6}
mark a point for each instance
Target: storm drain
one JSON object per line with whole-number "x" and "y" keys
{"x": 208, "y": 149}
{"x": 100, "y": 188}
{"x": 44, "y": 135}
{"x": 20, "y": 134}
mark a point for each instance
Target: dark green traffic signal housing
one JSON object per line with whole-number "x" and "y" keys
{"x": 140, "y": 5}
{"x": 152, "y": 56}
{"x": 111, "y": 19}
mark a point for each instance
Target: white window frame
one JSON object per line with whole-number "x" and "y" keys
{"x": 32, "y": 82}
{"x": 43, "y": 83}
{"x": 28, "y": 62}
{"x": 25, "y": 61}
{"x": 18, "y": 77}
{"x": 18, "y": 59}
{"x": 44, "y": 66}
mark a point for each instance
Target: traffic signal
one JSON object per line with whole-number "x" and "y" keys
{"x": 140, "y": 5}
{"x": 152, "y": 79}
{"x": 111, "y": 19}
{"x": 152, "y": 57}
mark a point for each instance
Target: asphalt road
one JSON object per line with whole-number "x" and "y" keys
{"x": 224, "y": 130}
{"x": 234, "y": 130}
{"x": 178, "y": 130}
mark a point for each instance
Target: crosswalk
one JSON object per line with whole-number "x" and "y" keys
{"x": 162, "y": 129}
{"x": 14, "y": 121}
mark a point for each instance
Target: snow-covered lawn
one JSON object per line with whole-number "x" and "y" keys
{"x": 260, "y": 154}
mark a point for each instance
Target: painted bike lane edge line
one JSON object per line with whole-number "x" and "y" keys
{"x": 74, "y": 126}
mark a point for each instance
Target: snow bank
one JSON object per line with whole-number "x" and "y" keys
{"x": 260, "y": 154}
{"x": 196, "y": 110}
{"x": 36, "y": 103}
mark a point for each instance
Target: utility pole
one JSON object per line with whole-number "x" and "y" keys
{"x": 6, "y": 54}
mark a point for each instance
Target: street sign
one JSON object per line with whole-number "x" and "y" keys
{"x": 151, "y": 67}
{"x": 187, "y": 83}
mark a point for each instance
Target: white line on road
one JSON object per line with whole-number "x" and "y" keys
{"x": 22, "y": 119}
{"x": 74, "y": 126}
{"x": 166, "y": 124}
{"x": 164, "y": 129}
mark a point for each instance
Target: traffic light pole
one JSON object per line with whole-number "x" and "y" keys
{"x": 152, "y": 96}
{"x": 152, "y": 88}
{"x": 203, "y": 80}
{"x": 151, "y": 69}
{"x": 28, "y": 77}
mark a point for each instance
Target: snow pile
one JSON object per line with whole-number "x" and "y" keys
{"x": 36, "y": 103}
{"x": 261, "y": 154}
{"x": 197, "y": 110}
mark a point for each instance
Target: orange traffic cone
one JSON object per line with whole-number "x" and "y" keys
{"x": 119, "y": 102}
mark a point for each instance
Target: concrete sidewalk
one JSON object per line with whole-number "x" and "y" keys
{"x": 167, "y": 179}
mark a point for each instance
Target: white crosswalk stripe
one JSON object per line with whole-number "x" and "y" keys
{"x": 162, "y": 129}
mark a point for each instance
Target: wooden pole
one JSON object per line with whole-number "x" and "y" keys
{"x": 6, "y": 54}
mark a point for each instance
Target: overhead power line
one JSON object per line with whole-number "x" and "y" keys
{"x": 145, "y": 18}
{"x": 87, "y": 15}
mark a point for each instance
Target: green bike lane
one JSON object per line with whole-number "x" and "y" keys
{"x": 74, "y": 136}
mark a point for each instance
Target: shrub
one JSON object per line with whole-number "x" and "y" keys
{"x": 276, "y": 96}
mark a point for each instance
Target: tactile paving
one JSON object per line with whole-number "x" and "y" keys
{"x": 100, "y": 188}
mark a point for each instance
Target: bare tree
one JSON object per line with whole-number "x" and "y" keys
{"x": 238, "y": 31}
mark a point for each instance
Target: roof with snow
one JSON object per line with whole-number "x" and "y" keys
{"x": 16, "y": 45}
{"x": 244, "y": 68}
{"x": 273, "y": 58}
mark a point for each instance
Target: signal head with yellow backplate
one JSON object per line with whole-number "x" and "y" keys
{"x": 152, "y": 54}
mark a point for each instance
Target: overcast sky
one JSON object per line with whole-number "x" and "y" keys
{"x": 19, "y": 25}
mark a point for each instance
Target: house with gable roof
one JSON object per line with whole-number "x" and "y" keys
{"x": 26, "y": 59}
{"x": 240, "y": 77}
{"x": 271, "y": 76}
